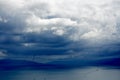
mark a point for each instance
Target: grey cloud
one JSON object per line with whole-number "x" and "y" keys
{"x": 51, "y": 28}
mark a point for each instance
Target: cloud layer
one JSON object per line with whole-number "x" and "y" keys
{"x": 55, "y": 30}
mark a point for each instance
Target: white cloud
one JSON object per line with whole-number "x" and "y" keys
{"x": 78, "y": 19}
{"x": 59, "y": 32}
{"x": 91, "y": 34}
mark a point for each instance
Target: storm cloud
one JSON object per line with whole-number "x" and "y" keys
{"x": 60, "y": 30}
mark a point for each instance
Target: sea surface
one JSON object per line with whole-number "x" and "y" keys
{"x": 93, "y": 73}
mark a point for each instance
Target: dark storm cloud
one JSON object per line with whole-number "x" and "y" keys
{"x": 55, "y": 34}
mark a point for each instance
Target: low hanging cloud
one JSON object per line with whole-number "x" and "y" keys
{"x": 64, "y": 28}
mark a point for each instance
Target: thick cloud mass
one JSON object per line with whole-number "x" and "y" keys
{"x": 60, "y": 29}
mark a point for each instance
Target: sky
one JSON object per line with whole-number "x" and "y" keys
{"x": 60, "y": 31}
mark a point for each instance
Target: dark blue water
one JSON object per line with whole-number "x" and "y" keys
{"x": 73, "y": 74}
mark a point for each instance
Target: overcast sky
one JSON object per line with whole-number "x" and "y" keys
{"x": 54, "y": 30}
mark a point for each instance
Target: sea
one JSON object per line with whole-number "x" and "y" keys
{"x": 92, "y": 73}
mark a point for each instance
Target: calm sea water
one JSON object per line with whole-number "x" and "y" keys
{"x": 73, "y": 74}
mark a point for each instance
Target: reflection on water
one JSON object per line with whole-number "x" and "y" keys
{"x": 74, "y": 74}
